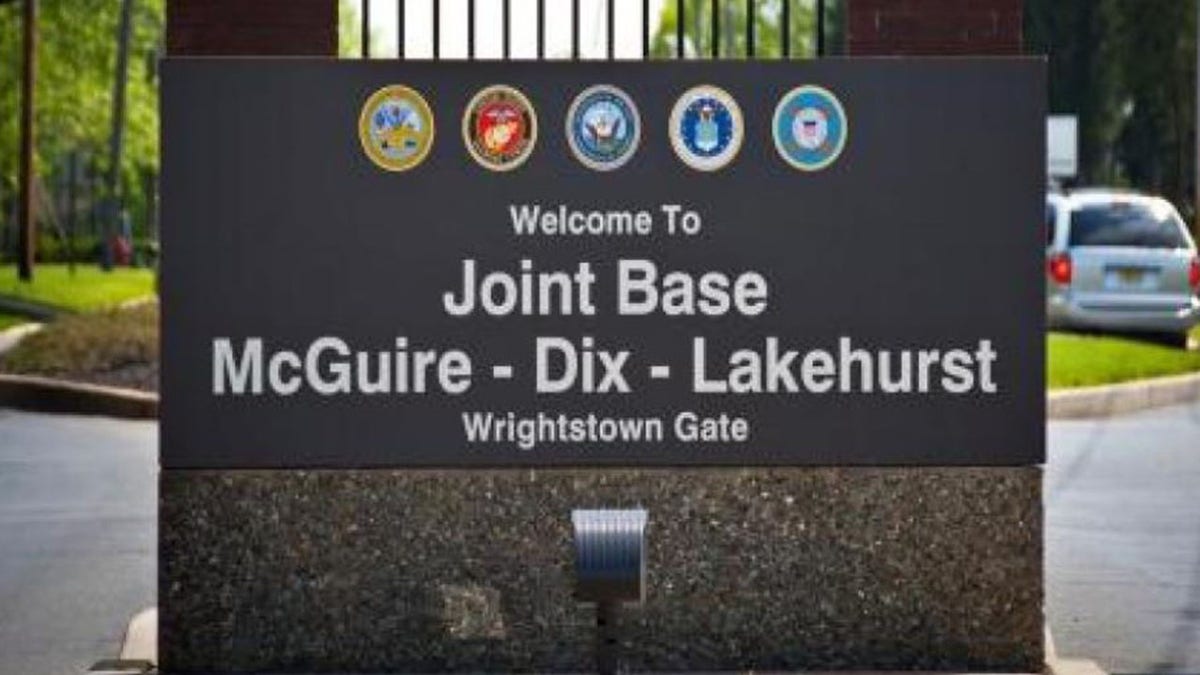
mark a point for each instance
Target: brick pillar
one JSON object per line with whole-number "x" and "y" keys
{"x": 933, "y": 27}
{"x": 252, "y": 27}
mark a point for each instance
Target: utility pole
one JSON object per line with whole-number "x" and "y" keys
{"x": 25, "y": 237}
{"x": 117, "y": 139}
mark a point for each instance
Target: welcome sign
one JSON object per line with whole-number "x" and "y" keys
{"x": 503, "y": 264}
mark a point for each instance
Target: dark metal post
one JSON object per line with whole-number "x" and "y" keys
{"x": 785, "y": 27}
{"x": 750, "y": 28}
{"x": 366, "y": 29}
{"x": 645, "y": 29}
{"x": 611, "y": 20}
{"x": 820, "y": 28}
{"x": 715, "y": 27}
{"x": 574, "y": 30}
{"x": 505, "y": 29}
{"x": 679, "y": 29}
{"x": 541, "y": 30}
{"x": 25, "y": 226}
{"x": 470, "y": 30}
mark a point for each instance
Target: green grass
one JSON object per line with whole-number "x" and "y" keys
{"x": 90, "y": 288}
{"x": 1086, "y": 360}
{"x": 10, "y": 320}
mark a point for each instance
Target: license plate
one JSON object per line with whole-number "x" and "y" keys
{"x": 1130, "y": 278}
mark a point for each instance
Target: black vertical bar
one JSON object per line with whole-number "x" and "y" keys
{"x": 471, "y": 30}
{"x": 750, "y": 28}
{"x": 574, "y": 30}
{"x": 714, "y": 47}
{"x": 437, "y": 29}
{"x": 785, "y": 27}
{"x": 507, "y": 21}
{"x": 611, "y": 18}
{"x": 541, "y": 29}
{"x": 366, "y": 29}
{"x": 400, "y": 29}
{"x": 645, "y": 29}
{"x": 679, "y": 29}
{"x": 820, "y": 28}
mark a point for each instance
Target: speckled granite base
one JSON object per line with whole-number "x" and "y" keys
{"x": 937, "y": 569}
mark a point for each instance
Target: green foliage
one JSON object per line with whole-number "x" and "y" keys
{"x": 88, "y": 288}
{"x": 1127, "y": 69}
{"x": 1084, "y": 360}
{"x": 77, "y": 53}
{"x": 732, "y": 41}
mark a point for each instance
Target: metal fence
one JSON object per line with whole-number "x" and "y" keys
{"x": 751, "y": 13}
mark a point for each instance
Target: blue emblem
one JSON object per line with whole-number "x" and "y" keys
{"x": 810, "y": 128}
{"x": 706, "y": 128}
{"x": 603, "y": 127}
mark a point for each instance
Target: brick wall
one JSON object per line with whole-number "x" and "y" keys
{"x": 933, "y": 27}
{"x": 252, "y": 27}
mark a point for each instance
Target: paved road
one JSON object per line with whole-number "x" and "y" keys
{"x": 77, "y": 538}
{"x": 1123, "y": 540}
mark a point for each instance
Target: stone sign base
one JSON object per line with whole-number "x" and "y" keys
{"x": 780, "y": 568}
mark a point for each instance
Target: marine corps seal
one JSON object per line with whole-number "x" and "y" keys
{"x": 396, "y": 128}
{"x": 603, "y": 127}
{"x": 500, "y": 128}
{"x": 809, "y": 128}
{"x": 706, "y": 128}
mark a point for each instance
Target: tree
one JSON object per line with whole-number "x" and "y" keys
{"x": 732, "y": 41}
{"x": 1127, "y": 69}
{"x": 76, "y": 63}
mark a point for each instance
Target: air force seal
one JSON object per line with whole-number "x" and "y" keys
{"x": 396, "y": 128}
{"x": 603, "y": 127}
{"x": 810, "y": 128}
{"x": 706, "y": 128}
{"x": 500, "y": 128}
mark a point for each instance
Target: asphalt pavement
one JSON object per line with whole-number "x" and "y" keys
{"x": 1123, "y": 540}
{"x": 77, "y": 539}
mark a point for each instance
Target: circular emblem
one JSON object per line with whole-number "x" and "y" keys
{"x": 396, "y": 128}
{"x": 706, "y": 128}
{"x": 810, "y": 128}
{"x": 500, "y": 128}
{"x": 603, "y": 127}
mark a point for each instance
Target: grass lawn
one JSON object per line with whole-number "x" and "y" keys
{"x": 90, "y": 288}
{"x": 10, "y": 320}
{"x": 1085, "y": 360}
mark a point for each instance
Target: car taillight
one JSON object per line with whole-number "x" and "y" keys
{"x": 1059, "y": 268}
{"x": 1194, "y": 274}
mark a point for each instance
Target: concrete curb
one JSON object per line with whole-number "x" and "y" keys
{"x": 10, "y": 337}
{"x": 29, "y": 308}
{"x": 1116, "y": 399}
{"x": 45, "y": 394}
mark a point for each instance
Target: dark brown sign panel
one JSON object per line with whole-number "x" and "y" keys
{"x": 719, "y": 263}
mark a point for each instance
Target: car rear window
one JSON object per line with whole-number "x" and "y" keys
{"x": 1126, "y": 224}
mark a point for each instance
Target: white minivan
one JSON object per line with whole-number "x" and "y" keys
{"x": 1121, "y": 262}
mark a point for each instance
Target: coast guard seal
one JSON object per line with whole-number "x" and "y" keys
{"x": 396, "y": 128}
{"x": 706, "y": 128}
{"x": 603, "y": 127}
{"x": 810, "y": 128}
{"x": 500, "y": 128}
